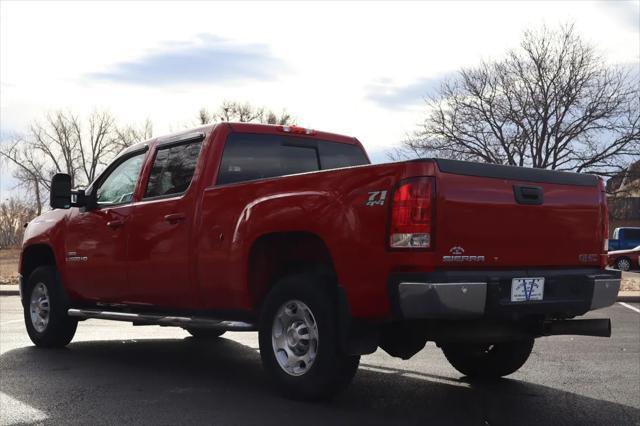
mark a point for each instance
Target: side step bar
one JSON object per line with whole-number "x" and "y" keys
{"x": 163, "y": 320}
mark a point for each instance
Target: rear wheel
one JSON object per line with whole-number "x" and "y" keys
{"x": 205, "y": 333}
{"x": 623, "y": 264}
{"x": 488, "y": 360}
{"x": 45, "y": 310}
{"x": 299, "y": 340}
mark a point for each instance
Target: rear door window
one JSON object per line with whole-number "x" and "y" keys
{"x": 172, "y": 169}
{"x": 250, "y": 157}
{"x": 253, "y": 156}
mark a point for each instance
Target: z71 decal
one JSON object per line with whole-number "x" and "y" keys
{"x": 376, "y": 198}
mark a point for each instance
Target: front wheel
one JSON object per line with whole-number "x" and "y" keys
{"x": 45, "y": 310}
{"x": 488, "y": 360}
{"x": 299, "y": 340}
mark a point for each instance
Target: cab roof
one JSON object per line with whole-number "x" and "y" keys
{"x": 272, "y": 129}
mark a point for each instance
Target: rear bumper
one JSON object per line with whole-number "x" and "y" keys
{"x": 487, "y": 294}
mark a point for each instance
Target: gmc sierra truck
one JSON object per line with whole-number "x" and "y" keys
{"x": 292, "y": 233}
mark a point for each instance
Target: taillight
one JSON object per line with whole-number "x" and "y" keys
{"x": 604, "y": 225}
{"x": 296, "y": 130}
{"x": 411, "y": 214}
{"x": 604, "y": 215}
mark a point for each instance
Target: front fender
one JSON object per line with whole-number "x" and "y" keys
{"x": 46, "y": 230}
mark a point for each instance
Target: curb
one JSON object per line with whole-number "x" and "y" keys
{"x": 13, "y": 291}
{"x": 629, "y": 296}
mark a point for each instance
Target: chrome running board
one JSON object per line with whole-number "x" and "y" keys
{"x": 163, "y": 320}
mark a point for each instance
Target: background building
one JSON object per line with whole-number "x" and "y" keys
{"x": 624, "y": 198}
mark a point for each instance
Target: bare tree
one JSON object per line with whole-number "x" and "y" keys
{"x": 244, "y": 113}
{"x": 14, "y": 213}
{"x": 553, "y": 103}
{"x": 626, "y": 183}
{"x": 126, "y": 136}
{"x": 28, "y": 168}
{"x": 63, "y": 142}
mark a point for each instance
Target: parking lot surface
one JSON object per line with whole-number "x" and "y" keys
{"x": 115, "y": 373}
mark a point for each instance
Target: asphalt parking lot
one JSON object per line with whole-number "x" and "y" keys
{"x": 114, "y": 373}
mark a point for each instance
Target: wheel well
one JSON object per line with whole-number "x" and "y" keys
{"x": 34, "y": 256}
{"x": 275, "y": 255}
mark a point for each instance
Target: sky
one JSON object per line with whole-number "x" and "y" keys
{"x": 357, "y": 68}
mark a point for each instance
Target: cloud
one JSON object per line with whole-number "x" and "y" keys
{"x": 388, "y": 95}
{"x": 208, "y": 59}
{"x": 6, "y": 133}
{"x": 627, "y": 12}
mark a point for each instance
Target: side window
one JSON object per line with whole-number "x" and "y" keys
{"x": 632, "y": 234}
{"x": 172, "y": 169}
{"x": 249, "y": 157}
{"x": 119, "y": 185}
{"x": 334, "y": 155}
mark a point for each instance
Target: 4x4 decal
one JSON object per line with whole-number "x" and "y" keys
{"x": 376, "y": 198}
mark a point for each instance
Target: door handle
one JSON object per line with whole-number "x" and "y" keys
{"x": 174, "y": 218}
{"x": 114, "y": 223}
{"x": 525, "y": 194}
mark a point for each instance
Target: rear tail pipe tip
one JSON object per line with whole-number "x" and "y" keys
{"x": 584, "y": 327}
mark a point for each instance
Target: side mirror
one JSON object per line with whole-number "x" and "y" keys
{"x": 60, "y": 197}
{"x": 78, "y": 198}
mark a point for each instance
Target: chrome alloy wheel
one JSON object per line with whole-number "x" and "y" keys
{"x": 294, "y": 337}
{"x": 623, "y": 264}
{"x": 39, "y": 307}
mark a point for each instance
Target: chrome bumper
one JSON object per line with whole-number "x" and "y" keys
{"x": 605, "y": 292}
{"x": 459, "y": 300}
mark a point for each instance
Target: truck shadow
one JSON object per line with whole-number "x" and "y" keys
{"x": 185, "y": 381}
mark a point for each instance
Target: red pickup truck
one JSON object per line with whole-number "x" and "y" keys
{"x": 292, "y": 233}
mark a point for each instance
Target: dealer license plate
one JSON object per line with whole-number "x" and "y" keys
{"x": 526, "y": 289}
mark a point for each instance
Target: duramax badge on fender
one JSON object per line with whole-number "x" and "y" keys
{"x": 290, "y": 232}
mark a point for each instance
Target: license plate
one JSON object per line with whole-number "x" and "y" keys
{"x": 526, "y": 289}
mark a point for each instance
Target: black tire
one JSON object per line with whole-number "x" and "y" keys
{"x": 59, "y": 328}
{"x": 487, "y": 361}
{"x": 623, "y": 263}
{"x": 205, "y": 333}
{"x": 331, "y": 370}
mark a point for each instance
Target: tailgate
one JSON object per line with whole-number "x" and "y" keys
{"x": 490, "y": 216}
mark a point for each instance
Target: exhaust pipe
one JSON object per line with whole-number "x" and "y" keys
{"x": 585, "y": 327}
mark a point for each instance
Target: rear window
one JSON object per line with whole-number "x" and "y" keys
{"x": 253, "y": 156}
{"x": 334, "y": 155}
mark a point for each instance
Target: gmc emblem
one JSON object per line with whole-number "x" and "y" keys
{"x": 588, "y": 258}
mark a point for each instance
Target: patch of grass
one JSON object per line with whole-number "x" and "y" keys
{"x": 9, "y": 260}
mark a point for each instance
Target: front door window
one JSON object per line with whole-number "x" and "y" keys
{"x": 119, "y": 185}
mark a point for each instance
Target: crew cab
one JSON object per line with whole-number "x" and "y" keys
{"x": 292, "y": 233}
